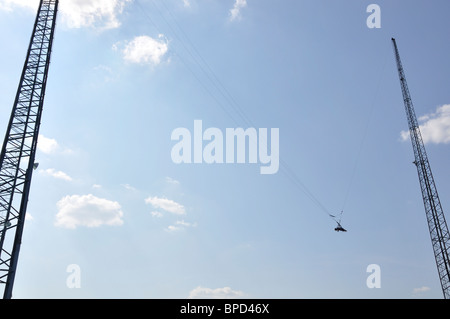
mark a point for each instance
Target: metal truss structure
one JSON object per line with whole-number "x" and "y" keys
{"x": 437, "y": 225}
{"x": 19, "y": 147}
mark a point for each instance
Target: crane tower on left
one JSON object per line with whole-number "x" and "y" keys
{"x": 17, "y": 157}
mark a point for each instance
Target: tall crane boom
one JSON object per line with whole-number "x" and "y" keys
{"x": 437, "y": 225}
{"x": 19, "y": 147}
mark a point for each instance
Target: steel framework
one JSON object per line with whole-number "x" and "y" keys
{"x": 437, "y": 225}
{"x": 19, "y": 147}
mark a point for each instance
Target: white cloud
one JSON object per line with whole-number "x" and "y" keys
{"x": 421, "y": 289}
{"x": 51, "y": 146}
{"x": 235, "y": 12}
{"x": 106, "y": 72}
{"x": 87, "y": 210}
{"x": 8, "y": 5}
{"x": 145, "y": 50}
{"x": 129, "y": 187}
{"x": 47, "y": 145}
{"x": 185, "y": 224}
{"x": 179, "y": 225}
{"x": 156, "y": 214}
{"x": 56, "y": 174}
{"x": 435, "y": 127}
{"x": 404, "y": 135}
{"x": 172, "y": 181}
{"x": 186, "y": 3}
{"x": 166, "y": 204}
{"x": 98, "y": 14}
{"x": 218, "y": 293}
{"x": 173, "y": 228}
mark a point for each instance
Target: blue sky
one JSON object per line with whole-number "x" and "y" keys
{"x": 108, "y": 198}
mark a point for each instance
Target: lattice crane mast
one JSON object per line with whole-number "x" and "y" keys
{"x": 19, "y": 147}
{"x": 437, "y": 225}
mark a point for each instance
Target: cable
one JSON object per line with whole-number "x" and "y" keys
{"x": 207, "y": 71}
{"x": 372, "y": 107}
{"x": 227, "y": 95}
{"x": 202, "y": 64}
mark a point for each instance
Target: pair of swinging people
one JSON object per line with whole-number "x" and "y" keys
{"x": 338, "y": 228}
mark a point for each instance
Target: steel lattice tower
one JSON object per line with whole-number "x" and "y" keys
{"x": 437, "y": 225}
{"x": 19, "y": 147}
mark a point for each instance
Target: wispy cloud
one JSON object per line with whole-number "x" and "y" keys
{"x": 218, "y": 293}
{"x": 421, "y": 289}
{"x": 163, "y": 205}
{"x": 88, "y": 211}
{"x": 157, "y": 214}
{"x": 56, "y": 174}
{"x": 180, "y": 225}
{"x": 172, "y": 181}
{"x": 166, "y": 204}
{"x": 435, "y": 127}
{"x": 185, "y": 224}
{"x": 129, "y": 187}
{"x": 106, "y": 72}
{"x": 173, "y": 228}
{"x": 417, "y": 292}
{"x": 235, "y": 12}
